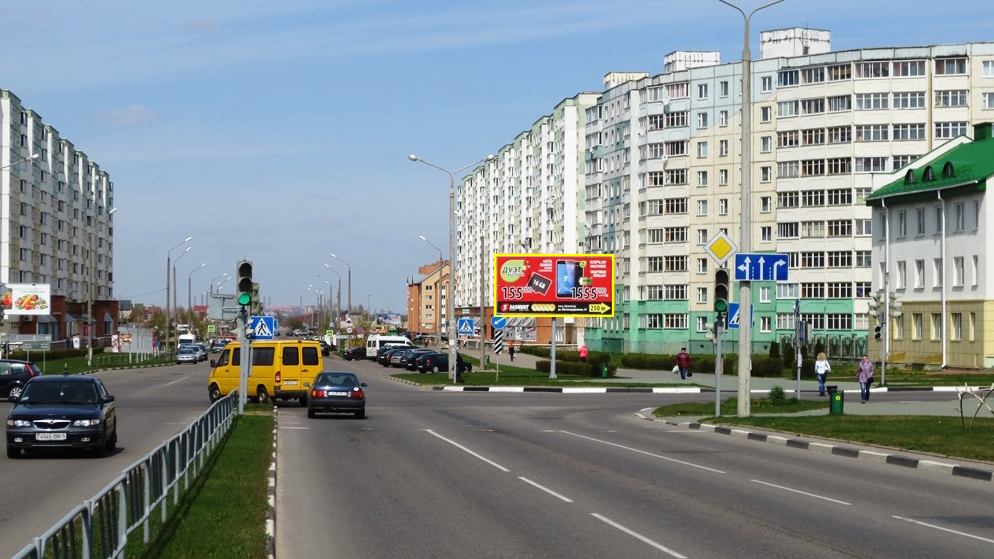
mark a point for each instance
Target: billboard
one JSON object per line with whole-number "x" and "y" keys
{"x": 390, "y": 319}
{"x": 554, "y": 285}
{"x": 27, "y": 298}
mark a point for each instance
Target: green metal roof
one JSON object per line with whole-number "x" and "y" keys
{"x": 972, "y": 164}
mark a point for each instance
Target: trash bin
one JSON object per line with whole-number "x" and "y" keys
{"x": 603, "y": 370}
{"x": 486, "y": 361}
{"x": 836, "y": 399}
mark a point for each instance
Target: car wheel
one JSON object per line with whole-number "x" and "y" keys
{"x": 469, "y": 368}
{"x": 303, "y": 401}
{"x": 361, "y": 414}
{"x": 214, "y": 392}
{"x": 111, "y": 443}
{"x": 15, "y": 391}
{"x": 261, "y": 396}
{"x": 13, "y": 452}
{"x": 434, "y": 368}
{"x": 310, "y": 413}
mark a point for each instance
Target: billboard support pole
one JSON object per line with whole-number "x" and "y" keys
{"x": 552, "y": 352}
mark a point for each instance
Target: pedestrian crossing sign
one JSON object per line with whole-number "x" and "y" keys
{"x": 263, "y": 327}
{"x": 466, "y": 327}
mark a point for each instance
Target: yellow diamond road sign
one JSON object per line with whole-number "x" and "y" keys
{"x": 720, "y": 247}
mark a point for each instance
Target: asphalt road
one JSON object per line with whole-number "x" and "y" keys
{"x": 453, "y": 475}
{"x": 40, "y": 488}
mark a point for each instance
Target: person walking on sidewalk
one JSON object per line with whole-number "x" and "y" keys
{"x": 583, "y": 353}
{"x": 821, "y": 371}
{"x": 510, "y": 350}
{"x": 864, "y": 374}
{"x": 683, "y": 362}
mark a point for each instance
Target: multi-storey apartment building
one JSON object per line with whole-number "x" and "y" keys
{"x": 658, "y": 174}
{"x": 662, "y": 177}
{"x": 426, "y": 300}
{"x": 56, "y": 225}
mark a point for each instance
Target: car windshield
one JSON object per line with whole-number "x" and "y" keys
{"x": 60, "y": 393}
{"x": 336, "y": 380}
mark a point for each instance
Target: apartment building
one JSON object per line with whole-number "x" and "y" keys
{"x": 930, "y": 245}
{"x": 56, "y": 226}
{"x": 426, "y": 300}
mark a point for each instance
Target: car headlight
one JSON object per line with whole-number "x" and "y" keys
{"x": 18, "y": 423}
{"x": 86, "y": 423}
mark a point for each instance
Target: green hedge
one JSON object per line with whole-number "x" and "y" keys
{"x": 592, "y": 368}
{"x": 51, "y": 355}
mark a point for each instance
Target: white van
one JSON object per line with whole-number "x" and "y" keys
{"x": 376, "y": 341}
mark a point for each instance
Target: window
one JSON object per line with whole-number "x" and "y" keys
{"x": 902, "y": 224}
{"x": 909, "y": 131}
{"x": 676, "y": 148}
{"x": 813, "y": 198}
{"x": 678, "y": 90}
{"x": 655, "y": 264}
{"x": 651, "y": 321}
{"x": 765, "y": 173}
{"x": 702, "y": 149}
{"x": 812, "y": 291}
{"x": 676, "y": 176}
{"x": 723, "y": 148}
{"x": 702, "y": 265}
{"x": 916, "y": 326}
{"x": 812, "y": 260}
{"x": 656, "y": 178}
{"x": 676, "y": 321}
{"x": 702, "y": 120}
{"x": 702, "y": 207}
{"x": 702, "y": 321}
{"x": 812, "y": 167}
{"x": 872, "y": 133}
{"x": 702, "y": 236}
{"x": 813, "y": 229}
{"x": 840, "y": 166}
{"x": 656, "y": 122}
{"x": 909, "y": 68}
{"x": 950, "y": 66}
{"x": 766, "y": 144}
{"x": 787, "y": 139}
{"x": 919, "y": 274}
{"x": 766, "y": 84}
{"x": 956, "y": 320}
{"x": 840, "y": 135}
{"x": 765, "y": 204}
{"x": 675, "y": 263}
{"x": 675, "y": 234}
{"x": 902, "y": 160}
{"x": 787, "y": 78}
{"x": 787, "y": 109}
{"x": 936, "y": 333}
{"x": 937, "y": 275}
{"x": 871, "y": 101}
{"x": 766, "y": 234}
{"x": 946, "y": 130}
{"x": 950, "y": 98}
{"x": 723, "y": 89}
{"x": 702, "y": 91}
{"x": 840, "y": 228}
{"x": 864, "y": 258}
{"x": 765, "y": 323}
{"x": 675, "y": 205}
{"x": 765, "y": 114}
{"x": 788, "y": 291}
{"x": 702, "y": 178}
{"x": 866, "y": 70}
{"x": 871, "y": 164}
{"x": 958, "y": 271}
{"x": 959, "y": 217}
{"x": 909, "y": 100}
{"x": 988, "y": 68}
{"x": 722, "y": 206}
{"x": 840, "y": 259}
{"x": 813, "y": 137}
{"x": 839, "y": 72}
{"x": 788, "y": 200}
{"x": 722, "y": 177}
{"x": 813, "y": 106}
{"x": 989, "y": 100}
{"x": 840, "y": 103}
{"x": 654, "y": 293}
{"x": 676, "y": 119}
{"x": 722, "y": 118}
{"x": 790, "y": 230}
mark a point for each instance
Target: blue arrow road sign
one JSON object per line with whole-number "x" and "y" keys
{"x": 761, "y": 267}
{"x": 263, "y": 327}
{"x": 498, "y": 322}
{"x": 466, "y": 327}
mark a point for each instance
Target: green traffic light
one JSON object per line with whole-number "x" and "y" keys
{"x": 721, "y": 305}
{"x": 244, "y": 298}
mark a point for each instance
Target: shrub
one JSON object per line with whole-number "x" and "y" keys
{"x": 776, "y": 394}
{"x": 576, "y": 368}
{"x": 774, "y": 349}
{"x": 768, "y": 367}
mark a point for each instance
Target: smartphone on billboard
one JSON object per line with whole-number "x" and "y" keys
{"x": 567, "y": 277}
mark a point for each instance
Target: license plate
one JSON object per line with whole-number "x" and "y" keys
{"x": 50, "y": 436}
{"x": 289, "y": 383}
{"x": 336, "y": 393}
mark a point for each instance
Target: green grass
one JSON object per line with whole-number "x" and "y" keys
{"x": 729, "y": 406}
{"x": 224, "y": 513}
{"x": 77, "y": 365}
{"x": 514, "y": 376}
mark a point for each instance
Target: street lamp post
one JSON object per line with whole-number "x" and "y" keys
{"x": 745, "y": 223}
{"x": 438, "y": 291}
{"x": 331, "y": 309}
{"x": 89, "y": 294}
{"x": 168, "y": 267}
{"x": 189, "y": 287}
{"x": 451, "y": 296}
{"x": 175, "y": 283}
{"x": 339, "y": 305}
{"x": 347, "y": 265}
{"x": 210, "y": 288}
{"x": 32, "y": 157}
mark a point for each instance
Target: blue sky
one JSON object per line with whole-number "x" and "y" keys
{"x": 279, "y": 131}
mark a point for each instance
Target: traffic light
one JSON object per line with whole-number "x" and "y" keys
{"x": 876, "y": 331}
{"x": 721, "y": 290}
{"x": 244, "y": 282}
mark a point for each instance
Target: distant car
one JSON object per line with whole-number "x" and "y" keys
{"x": 325, "y": 348}
{"x": 355, "y": 353}
{"x": 14, "y": 374}
{"x": 187, "y": 354}
{"x": 408, "y": 356}
{"x": 383, "y": 357}
{"x": 201, "y": 352}
{"x": 337, "y": 392}
{"x": 62, "y": 412}
{"x": 439, "y": 363}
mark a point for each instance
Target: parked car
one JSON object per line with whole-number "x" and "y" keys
{"x": 62, "y": 412}
{"x": 337, "y": 392}
{"x": 407, "y": 356}
{"x": 14, "y": 374}
{"x": 187, "y": 354}
{"x": 325, "y": 348}
{"x": 383, "y": 357}
{"x": 355, "y": 353}
{"x": 439, "y": 363}
{"x": 201, "y": 351}
{"x": 419, "y": 360}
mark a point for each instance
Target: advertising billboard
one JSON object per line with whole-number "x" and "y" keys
{"x": 554, "y": 285}
{"x": 389, "y": 319}
{"x": 27, "y": 298}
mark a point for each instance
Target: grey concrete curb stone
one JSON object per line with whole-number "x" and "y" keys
{"x": 271, "y": 494}
{"x": 877, "y": 455}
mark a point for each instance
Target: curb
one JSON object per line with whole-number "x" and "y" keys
{"x": 875, "y": 455}
{"x": 271, "y": 495}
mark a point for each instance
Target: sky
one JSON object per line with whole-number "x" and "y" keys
{"x": 279, "y": 131}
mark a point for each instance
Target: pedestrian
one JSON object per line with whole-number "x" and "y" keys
{"x": 864, "y": 374}
{"x": 683, "y": 362}
{"x": 510, "y": 350}
{"x": 583, "y": 353}
{"x": 821, "y": 371}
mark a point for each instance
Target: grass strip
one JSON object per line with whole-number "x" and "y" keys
{"x": 729, "y": 406}
{"x": 224, "y": 512}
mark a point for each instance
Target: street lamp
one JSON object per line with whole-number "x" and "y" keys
{"x": 451, "y": 296}
{"x": 319, "y": 294}
{"x": 89, "y": 291}
{"x": 210, "y": 287}
{"x": 169, "y": 267}
{"x": 32, "y": 157}
{"x": 438, "y": 290}
{"x": 339, "y": 305}
{"x": 189, "y": 288}
{"x": 331, "y": 310}
{"x": 745, "y": 223}
{"x": 349, "y": 311}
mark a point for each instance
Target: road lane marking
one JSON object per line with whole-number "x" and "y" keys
{"x": 801, "y": 492}
{"x": 461, "y": 447}
{"x": 958, "y": 533}
{"x": 175, "y": 381}
{"x": 644, "y": 452}
{"x": 546, "y": 489}
{"x": 637, "y": 536}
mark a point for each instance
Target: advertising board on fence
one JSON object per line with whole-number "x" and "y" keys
{"x": 27, "y": 299}
{"x": 554, "y": 285}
